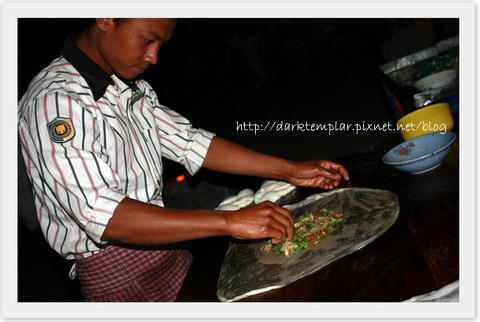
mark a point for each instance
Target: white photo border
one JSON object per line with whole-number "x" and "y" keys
{"x": 465, "y": 11}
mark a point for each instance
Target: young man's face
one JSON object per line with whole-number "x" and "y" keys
{"x": 129, "y": 46}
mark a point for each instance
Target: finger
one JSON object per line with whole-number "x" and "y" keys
{"x": 281, "y": 216}
{"x": 339, "y": 168}
{"x": 343, "y": 172}
{"x": 277, "y": 239}
{"x": 330, "y": 174}
{"x": 329, "y": 184}
{"x": 287, "y": 224}
{"x": 286, "y": 215}
{"x": 334, "y": 183}
{"x": 323, "y": 182}
{"x": 283, "y": 211}
{"x": 277, "y": 232}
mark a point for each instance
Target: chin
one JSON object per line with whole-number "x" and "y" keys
{"x": 128, "y": 76}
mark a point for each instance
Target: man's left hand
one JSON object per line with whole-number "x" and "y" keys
{"x": 319, "y": 173}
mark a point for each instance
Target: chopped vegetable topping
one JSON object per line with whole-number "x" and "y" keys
{"x": 310, "y": 229}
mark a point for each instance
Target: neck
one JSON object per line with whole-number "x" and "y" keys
{"x": 87, "y": 41}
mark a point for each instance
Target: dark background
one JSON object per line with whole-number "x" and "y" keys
{"x": 223, "y": 72}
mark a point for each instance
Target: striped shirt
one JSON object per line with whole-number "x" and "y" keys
{"x": 86, "y": 150}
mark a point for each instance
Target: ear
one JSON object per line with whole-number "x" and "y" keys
{"x": 104, "y": 23}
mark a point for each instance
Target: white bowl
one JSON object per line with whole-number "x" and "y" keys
{"x": 437, "y": 80}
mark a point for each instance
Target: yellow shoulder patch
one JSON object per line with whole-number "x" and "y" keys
{"x": 61, "y": 130}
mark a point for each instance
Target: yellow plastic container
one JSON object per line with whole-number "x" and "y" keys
{"x": 431, "y": 118}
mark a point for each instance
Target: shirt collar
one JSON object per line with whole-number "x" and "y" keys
{"x": 96, "y": 78}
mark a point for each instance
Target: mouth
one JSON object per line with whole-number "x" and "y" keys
{"x": 140, "y": 69}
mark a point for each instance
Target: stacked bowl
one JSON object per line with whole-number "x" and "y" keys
{"x": 427, "y": 139}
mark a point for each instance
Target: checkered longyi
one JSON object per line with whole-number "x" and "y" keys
{"x": 123, "y": 274}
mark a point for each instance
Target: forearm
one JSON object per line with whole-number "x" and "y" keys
{"x": 232, "y": 158}
{"x": 138, "y": 223}
{"x": 226, "y": 156}
{"x": 135, "y": 222}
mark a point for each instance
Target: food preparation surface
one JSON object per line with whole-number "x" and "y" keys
{"x": 418, "y": 254}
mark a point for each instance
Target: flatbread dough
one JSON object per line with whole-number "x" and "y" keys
{"x": 273, "y": 190}
{"x": 241, "y": 200}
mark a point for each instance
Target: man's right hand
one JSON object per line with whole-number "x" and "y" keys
{"x": 265, "y": 220}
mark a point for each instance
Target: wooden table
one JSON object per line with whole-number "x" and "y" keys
{"x": 418, "y": 254}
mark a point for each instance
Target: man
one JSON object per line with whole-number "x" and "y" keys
{"x": 93, "y": 137}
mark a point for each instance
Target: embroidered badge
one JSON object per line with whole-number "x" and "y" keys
{"x": 136, "y": 94}
{"x": 61, "y": 130}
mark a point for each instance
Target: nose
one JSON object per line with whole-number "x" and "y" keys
{"x": 151, "y": 56}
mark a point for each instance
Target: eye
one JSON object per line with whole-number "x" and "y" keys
{"x": 149, "y": 41}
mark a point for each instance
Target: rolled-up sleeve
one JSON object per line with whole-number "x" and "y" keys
{"x": 192, "y": 154}
{"x": 180, "y": 141}
{"x": 103, "y": 209}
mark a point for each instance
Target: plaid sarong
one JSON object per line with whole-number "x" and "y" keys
{"x": 119, "y": 274}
